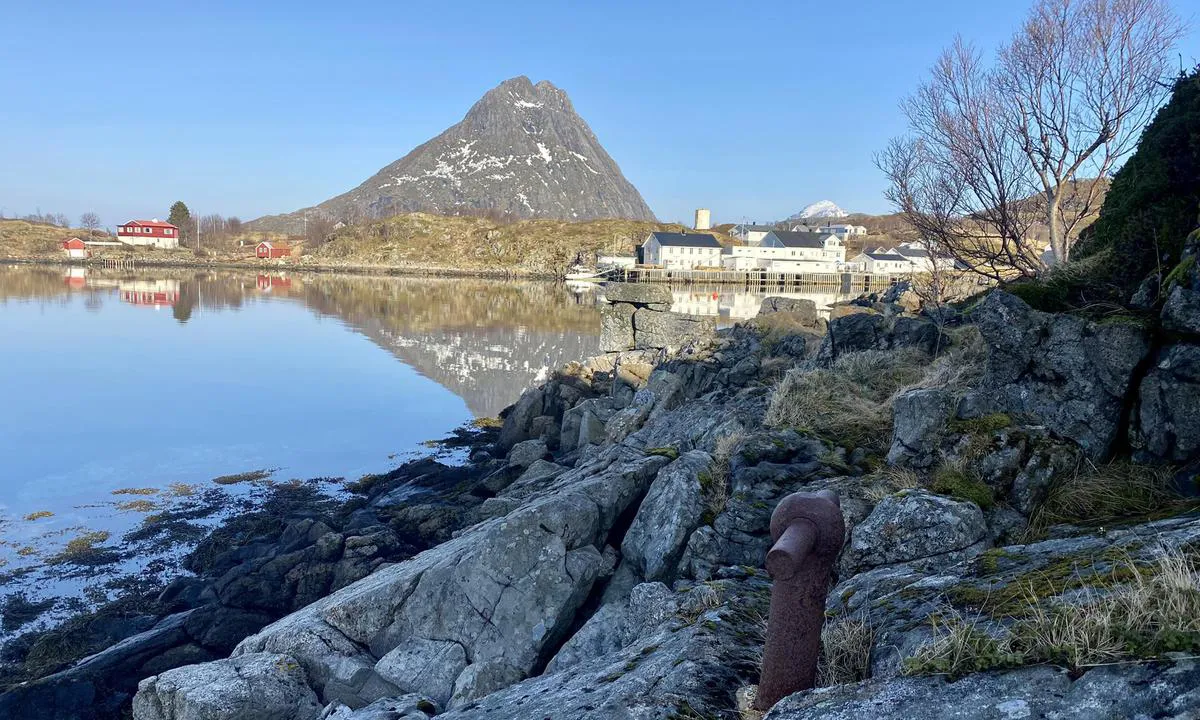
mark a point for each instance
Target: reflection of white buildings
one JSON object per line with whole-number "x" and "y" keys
{"x": 692, "y": 302}
{"x": 742, "y": 305}
{"x": 789, "y": 252}
{"x": 150, "y": 293}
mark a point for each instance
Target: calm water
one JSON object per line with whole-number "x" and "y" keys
{"x": 161, "y": 382}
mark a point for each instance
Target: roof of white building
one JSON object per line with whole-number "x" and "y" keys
{"x": 686, "y": 239}
{"x": 800, "y": 239}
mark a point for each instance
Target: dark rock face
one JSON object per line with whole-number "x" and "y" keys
{"x": 521, "y": 150}
{"x": 1071, "y": 373}
{"x": 875, "y": 331}
{"x": 1168, "y": 418}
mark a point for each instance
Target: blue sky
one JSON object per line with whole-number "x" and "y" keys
{"x": 751, "y": 109}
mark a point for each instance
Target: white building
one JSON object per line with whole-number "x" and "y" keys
{"x": 843, "y": 231}
{"x": 886, "y": 263}
{"x": 682, "y": 251}
{"x": 750, "y": 233}
{"x": 616, "y": 261}
{"x": 791, "y": 252}
{"x": 922, "y": 261}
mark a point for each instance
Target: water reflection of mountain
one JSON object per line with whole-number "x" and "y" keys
{"x": 484, "y": 340}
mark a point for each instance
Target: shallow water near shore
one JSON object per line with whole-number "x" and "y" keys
{"x": 135, "y": 401}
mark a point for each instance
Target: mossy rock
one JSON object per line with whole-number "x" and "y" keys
{"x": 956, "y": 483}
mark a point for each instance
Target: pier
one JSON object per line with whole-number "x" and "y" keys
{"x": 846, "y": 283}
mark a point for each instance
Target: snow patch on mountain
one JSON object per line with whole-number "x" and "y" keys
{"x": 821, "y": 209}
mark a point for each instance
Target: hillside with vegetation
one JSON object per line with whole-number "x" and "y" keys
{"x": 26, "y": 238}
{"x": 416, "y": 242}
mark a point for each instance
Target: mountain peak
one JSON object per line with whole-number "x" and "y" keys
{"x": 820, "y": 209}
{"x": 521, "y": 150}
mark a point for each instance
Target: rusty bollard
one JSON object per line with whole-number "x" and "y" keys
{"x": 807, "y": 531}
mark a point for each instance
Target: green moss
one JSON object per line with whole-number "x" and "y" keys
{"x": 1137, "y": 322}
{"x": 1040, "y": 295}
{"x": 1179, "y": 273}
{"x": 669, "y": 453}
{"x": 988, "y": 561}
{"x": 1012, "y": 598}
{"x": 983, "y": 425}
{"x": 950, "y": 480}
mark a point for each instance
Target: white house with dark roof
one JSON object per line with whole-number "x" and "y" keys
{"x": 924, "y": 262}
{"x": 885, "y": 263}
{"x": 750, "y": 233}
{"x": 843, "y": 231}
{"x": 787, "y": 251}
{"x": 682, "y": 251}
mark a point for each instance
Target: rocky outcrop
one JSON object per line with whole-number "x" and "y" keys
{"x": 878, "y": 331}
{"x": 1070, "y": 373}
{"x": 919, "y": 419}
{"x": 257, "y": 687}
{"x": 638, "y": 317}
{"x": 1168, "y": 412}
{"x": 1164, "y": 690}
{"x": 672, "y": 510}
{"x": 937, "y": 532}
{"x": 614, "y": 569}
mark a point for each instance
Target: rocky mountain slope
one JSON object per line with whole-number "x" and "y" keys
{"x": 521, "y": 151}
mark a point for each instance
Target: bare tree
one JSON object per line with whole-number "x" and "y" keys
{"x": 90, "y": 221}
{"x": 997, "y": 152}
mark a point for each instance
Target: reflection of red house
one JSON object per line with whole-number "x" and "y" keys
{"x": 75, "y": 249}
{"x": 152, "y": 298}
{"x": 267, "y": 283}
{"x": 267, "y": 250}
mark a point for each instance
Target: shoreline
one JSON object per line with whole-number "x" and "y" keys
{"x": 363, "y": 270}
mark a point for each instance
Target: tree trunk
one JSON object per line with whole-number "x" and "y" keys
{"x": 1058, "y": 241}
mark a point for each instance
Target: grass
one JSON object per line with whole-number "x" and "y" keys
{"x": 1098, "y": 494}
{"x": 961, "y": 647}
{"x": 848, "y": 403}
{"x": 714, "y": 483}
{"x": 135, "y": 491}
{"x": 845, "y": 652}
{"x": 38, "y": 515}
{"x": 773, "y": 328}
{"x": 137, "y": 506}
{"x": 1155, "y": 611}
{"x": 890, "y": 480}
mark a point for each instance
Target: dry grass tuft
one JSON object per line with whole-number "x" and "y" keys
{"x": 890, "y": 480}
{"x": 1154, "y": 612}
{"x": 960, "y": 647}
{"x": 845, "y": 652}
{"x": 1102, "y": 493}
{"x": 850, "y": 401}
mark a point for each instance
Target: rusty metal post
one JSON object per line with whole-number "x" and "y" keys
{"x": 807, "y": 531}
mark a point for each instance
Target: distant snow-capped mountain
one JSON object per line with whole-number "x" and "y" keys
{"x": 822, "y": 209}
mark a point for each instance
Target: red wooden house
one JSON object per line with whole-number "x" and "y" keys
{"x": 149, "y": 232}
{"x": 75, "y": 249}
{"x": 268, "y": 250}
